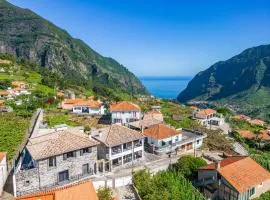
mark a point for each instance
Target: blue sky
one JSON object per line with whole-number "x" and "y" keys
{"x": 161, "y": 37}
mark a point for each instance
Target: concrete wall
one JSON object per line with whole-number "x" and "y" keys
{"x": 125, "y": 115}
{"x": 204, "y": 174}
{"x": 158, "y": 143}
{"x": 261, "y": 188}
{"x": 92, "y": 111}
{"x": 3, "y": 174}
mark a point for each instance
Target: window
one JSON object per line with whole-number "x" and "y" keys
{"x": 52, "y": 161}
{"x": 176, "y": 138}
{"x": 251, "y": 191}
{"x": 63, "y": 176}
{"x": 85, "y": 169}
{"x": 85, "y": 150}
{"x": 26, "y": 183}
{"x": 69, "y": 155}
{"x": 163, "y": 143}
{"x": 198, "y": 141}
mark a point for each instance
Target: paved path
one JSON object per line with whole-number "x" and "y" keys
{"x": 240, "y": 149}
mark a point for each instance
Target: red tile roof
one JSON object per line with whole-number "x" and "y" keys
{"x": 81, "y": 102}
{"x": 2, "y": 156}
{"x": 241, "y": 172}
{"x": 206, "y": 112}
{"x": 257, "y": 122}
{"x": 244, "y": 174}
{"x": 223, "y": 163}
{"x": 264, "y": 134}
{"x": 89, "y": 103}
{"x": 17, "y": 83}
{"x": 246, "y": 134}
{"x": 241, "y": 116}
{"x": 4, "y": 92}
{"x": 124, "y": 106}
{"x": 76, "y": 191}
{"x": 161, "y": 131}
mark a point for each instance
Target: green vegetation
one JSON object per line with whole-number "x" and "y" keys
{"x": 105, "y": 193}
{"x": 264, "y": 196}
{"x": 12, "y": 132}
{"x": 59, "y": 118}
{"x": 237, "y": 124}
{"x": 75, "y": 66}
{"x": 165, "y": 185}
{"x": 216, "y": 141}
{"x": 188, "y": 166}
{"x": 241, "y": 82}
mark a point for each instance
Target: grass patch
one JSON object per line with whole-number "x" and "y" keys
{"x": 59, "y": 118}
{"x": 5, "y": 76}
{"x": 12, "y": 131}
{"x": 33, "y": 77}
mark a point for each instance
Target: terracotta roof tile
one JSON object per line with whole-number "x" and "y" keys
{"x": 264, "y": 134}
{"x": 116, "y": 134}
{"x": 4, "y": 92}
{"x": 81, "y": 190}
{"x": 17, "y": 83}
{"x": 246, "y": 134}
{"x": 223, "y": 163}
{"x": 241, "y": 116}
{"x": 89, "y": 103}
{"x": 244, "y": 174}
{"x": 257, "y": 122}
{"x": 205, "y": 112}
{"x": 161, "y": 131}
{"x": 57, "y": 143}
{"x": 72, "y": 101}
{"x": 2, "y": 155}
{"x": 124, "y": 106}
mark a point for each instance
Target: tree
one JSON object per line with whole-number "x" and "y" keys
{"x": 188, "y": 166}
{"x": 164, "y": 185}
{"x": 4, "y": 84}
{"x": 104, "y": 193}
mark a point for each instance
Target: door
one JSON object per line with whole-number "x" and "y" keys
{"x": 85, "y": 169}
{"x": 63, "y": 176}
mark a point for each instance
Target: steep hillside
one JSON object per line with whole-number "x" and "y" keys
{"x": 242, "y": 82}
{"x": 26, "y": 35}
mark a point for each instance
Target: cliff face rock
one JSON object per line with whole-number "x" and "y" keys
{"x": 27, "y": 35}
{"x": 242, "y": 82}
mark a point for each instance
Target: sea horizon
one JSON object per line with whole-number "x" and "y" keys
{"x": 166, "y": 87}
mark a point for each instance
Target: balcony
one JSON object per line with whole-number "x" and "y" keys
{"x": 137, "y": 143}
{"x": 127, "y": 146}
{"x": 116, "y": 150}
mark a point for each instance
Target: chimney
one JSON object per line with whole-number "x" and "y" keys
{"x": 218, "y": 164}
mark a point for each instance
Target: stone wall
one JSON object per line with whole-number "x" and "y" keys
{"x": 102, "y": 151}
{"x": 44, "y": 177}
{"x": 49, "y": 175}
{"x": 27, "y": 181}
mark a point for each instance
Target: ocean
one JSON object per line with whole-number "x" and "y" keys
{"x": 165, "y": 87}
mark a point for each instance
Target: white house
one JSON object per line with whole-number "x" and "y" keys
{"x": 162, "y": 138}
{"x": 88, "y": 107}
{"x": 3, "y": 171}
{"x": 124, "y": 112}
{"x": 119, "y": 145}
{"x": 209, "y": 117}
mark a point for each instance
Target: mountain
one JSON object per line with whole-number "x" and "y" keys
{"x": 242, "y": 82}
{"x": 26, "y": 35}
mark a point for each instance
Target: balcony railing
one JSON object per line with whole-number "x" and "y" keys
{"x": 116, "y": 151}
